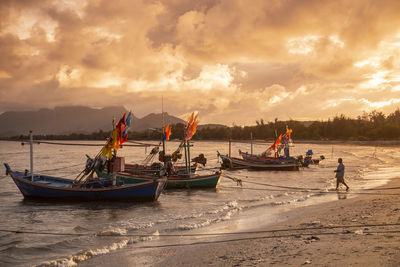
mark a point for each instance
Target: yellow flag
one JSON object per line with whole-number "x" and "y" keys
{"x": 115, "y": 140}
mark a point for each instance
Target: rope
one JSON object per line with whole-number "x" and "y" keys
{"x": 142, "y": 143}
{"x": 279, "y": 186}
{"x": 257, "y": 141}
{"x": 208, "y": 169}
{"x": 316, "y": 192}
{"x": 80, "y": 164}
{"x": 82, "y": 144}
{"x": 304, "y": 188}
{"x": 209, "y": 234}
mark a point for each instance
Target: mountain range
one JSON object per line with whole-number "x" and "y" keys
{"x": 75, "y": 119}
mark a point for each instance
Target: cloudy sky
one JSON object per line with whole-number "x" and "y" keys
{"x": 234, "y": 61}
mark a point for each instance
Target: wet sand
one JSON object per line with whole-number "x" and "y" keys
{"x": 346, "y": 232}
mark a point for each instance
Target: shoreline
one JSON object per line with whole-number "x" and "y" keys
{"x": 341, "y": 232}
{"x": 358, "y": 246}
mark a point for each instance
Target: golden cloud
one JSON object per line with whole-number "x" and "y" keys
{"x": 226, "y": 59}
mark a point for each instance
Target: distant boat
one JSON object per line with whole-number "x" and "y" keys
{"x": 263, "y": 161}
{"x": 54, "y": 188}
{"x": 273, "y": 164}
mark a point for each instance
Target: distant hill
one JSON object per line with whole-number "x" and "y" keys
{"x": 74, "y": 119}
{"x": 153, "y": 120}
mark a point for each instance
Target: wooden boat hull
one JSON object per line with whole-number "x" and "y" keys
{"x": 237, "y": 163}
{"x": 47, "y": 187}
{"x": 268, "y": 160}
{"x": 176, "y": 181}
{"x": 133, "y": 168}
{"x": 205, "y": 181}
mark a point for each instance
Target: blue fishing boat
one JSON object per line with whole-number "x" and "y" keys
{"x": 54, "y": 188}
{"x": 85, "y": 186}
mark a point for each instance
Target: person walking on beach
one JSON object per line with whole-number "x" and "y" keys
{"x": 340, "y": 175}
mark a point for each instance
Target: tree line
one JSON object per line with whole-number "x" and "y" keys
{"x": 369, "y": 126}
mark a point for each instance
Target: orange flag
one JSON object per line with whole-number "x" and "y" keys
{"x": 167, "y": 132}
{"x": 191, "y": 126}
{"x": 276, "y": 144}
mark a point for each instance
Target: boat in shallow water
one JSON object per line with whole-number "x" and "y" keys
{"x": 85, "y": 186}
{"x": 264, "y": 161}
{"x": 156, "y": 168}
{"x": 55, "y": 188}
{"x": 273, "y": 164}
{"x": 177, "y": 177}
{"x": 183, "y": 180}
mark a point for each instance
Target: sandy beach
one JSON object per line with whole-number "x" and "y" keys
{"x": 351, "y": 231}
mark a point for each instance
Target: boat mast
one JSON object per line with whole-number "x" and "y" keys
{"x": 188, "y": 160}
{"x": 31, "y": 152}
{"x": 114, "y": 175}
{"x": 251, "y": 142}
{"x": 163, "y": 127}
{"x": 230, "y": 145}
{"x": 276, "y": 137}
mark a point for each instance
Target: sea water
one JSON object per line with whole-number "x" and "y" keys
{"x": 66, "y": 234}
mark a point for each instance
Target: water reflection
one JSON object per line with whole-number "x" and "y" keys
{"x": 342, "y": 195}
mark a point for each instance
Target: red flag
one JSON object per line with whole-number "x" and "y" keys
{"x": 121, "y": 126}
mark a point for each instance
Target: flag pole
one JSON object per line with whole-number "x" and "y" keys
{"x": 31, "y": 152}
{"x": 251, "y": 142}
{"x": 163, "y": 127}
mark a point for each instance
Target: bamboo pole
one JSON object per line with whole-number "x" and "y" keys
{"x": 230, "y": 144}
{"x": 188, "y": 162}
{"x": 31, "y": 153}
{"x": 251, "y": 140}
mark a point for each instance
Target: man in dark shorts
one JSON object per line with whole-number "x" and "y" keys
{"x": 340, "y": 175}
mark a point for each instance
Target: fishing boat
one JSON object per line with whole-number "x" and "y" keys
{"x": 277, "y": 164}
{"x": 54, "y": 188}
{"x": 182, "y": 180}
{"x": 183, "y": 177}
{"x": 148, "y": 166}
{"x": 155, "y": 168}
{"x": 264, "y": 161}
{"x": 85, "y": 188}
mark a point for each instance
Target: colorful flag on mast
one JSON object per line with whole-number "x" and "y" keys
{"x": 191, "y": 126}
{"x": 121, "y": 127}
{"x": 127, "y": 125}
{"x": 118, "y": 136}
{"x": 274, "y": 147}
{"x": 167, "y": 133}
{"x": 286, "y": 137}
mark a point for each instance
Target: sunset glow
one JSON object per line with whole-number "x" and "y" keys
{"x": 234, "y": 63}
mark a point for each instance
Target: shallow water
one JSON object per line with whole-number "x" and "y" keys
{"x": 229, "y": 207}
